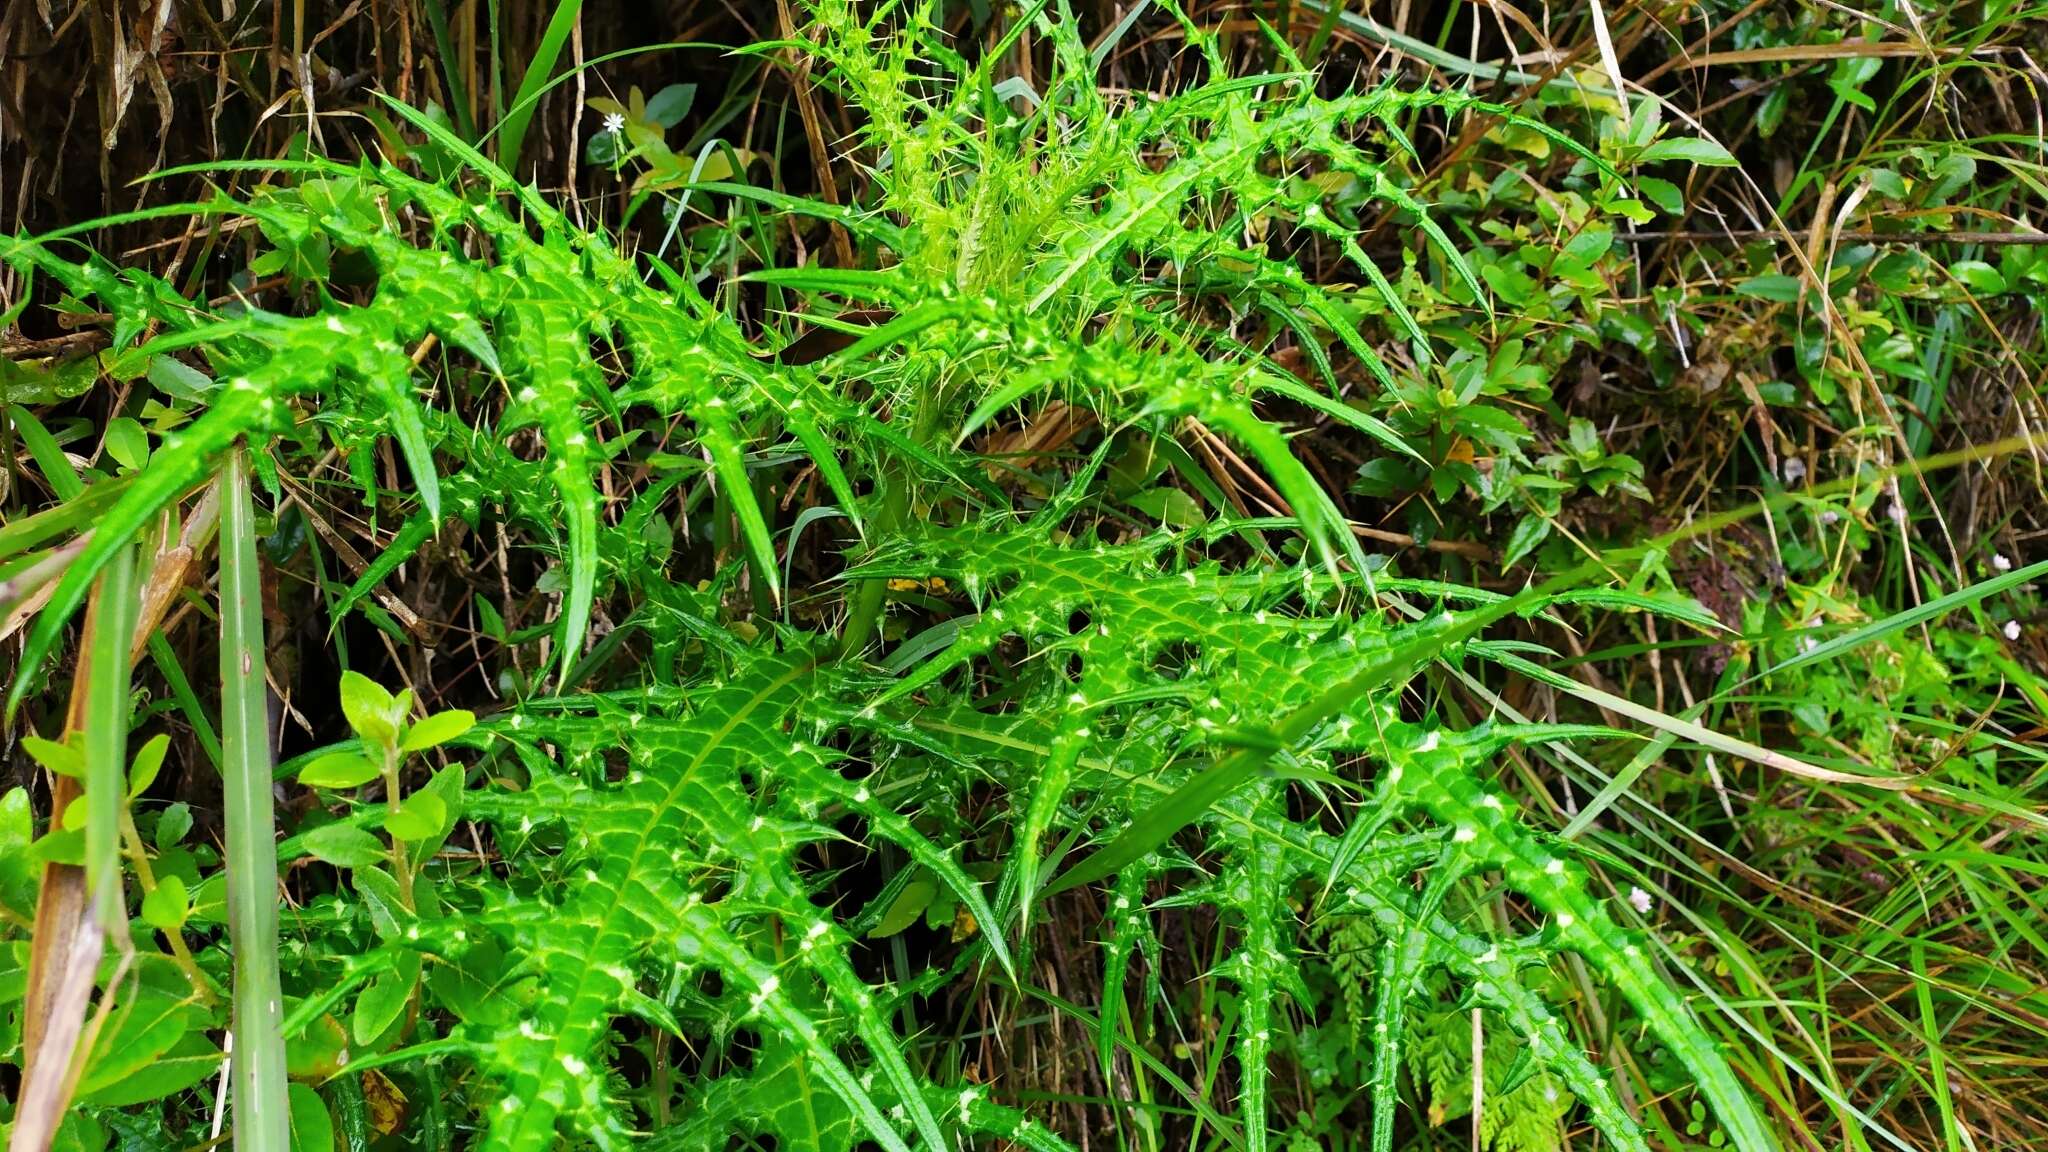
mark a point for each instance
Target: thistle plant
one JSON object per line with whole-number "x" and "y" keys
{"x": 1019, "y": 683}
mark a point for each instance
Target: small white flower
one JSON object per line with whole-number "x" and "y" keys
{"x": 614, "y": 123}
{"x": 1830, "y": 516}
{"x": 1639, "y": 900}
{"x": 1897, "y": 512}
{"x": 2012, "y": 629}
{"x": 1999, "y": 563}
{"x": 1795, "y": 470}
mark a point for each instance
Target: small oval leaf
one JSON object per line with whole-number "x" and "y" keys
{"x": 344, "y": 846}
{"x": 368, "y": 708}
{"x": 379, "y": 1004}
{"x": 338, "y": 770}
{"x": 149, "y": 760}
{"x": 438, "y": 729}
{"x": 166, "y": 907}
{"x": 418, "y": 818}
{"x": 63, "y": 759}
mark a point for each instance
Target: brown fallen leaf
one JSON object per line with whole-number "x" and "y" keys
{"x": 387, "y": 1103}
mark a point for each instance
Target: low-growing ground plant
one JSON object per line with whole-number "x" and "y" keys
{"x": 898, "y": 626}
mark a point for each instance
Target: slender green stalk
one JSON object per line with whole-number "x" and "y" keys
{"x": 145, "y": 875}
{"x": 173, "y": 673}
{"x": 56, "y": 468}
{"x": 451, "y": 68}
{"x": 106, "y": 740}
{"x": 20, "y": 535}
{"x": 401, "y": 856}
{"x": 497, "y": 64}
{"x": 262, "y": 1111}
{"x": 865, "y": 618}
{"x": 534, "y": 84}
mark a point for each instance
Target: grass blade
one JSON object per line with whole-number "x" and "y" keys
{"x": 50, "y": 459}
{"x": 1680, "y": 726}
{"x": 169, "y": 474}
{"x": 262, "y": 1111}
{"x": 458, "y": 95}
{"x": 64, "y": 952}
{"x": 1900, "y": 621}
{"x": 21, "y": 535}
{"x": 513, "y": 130}
{"x": 106, "y": 741}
